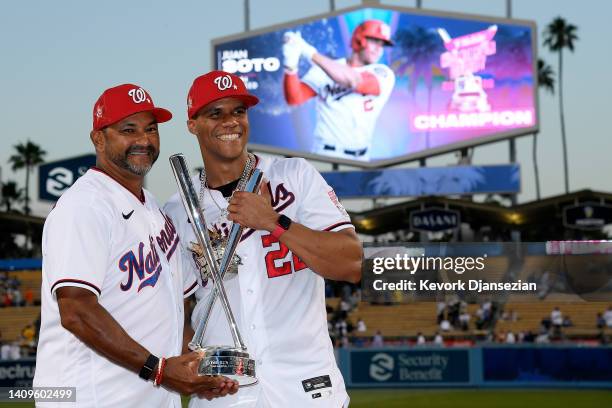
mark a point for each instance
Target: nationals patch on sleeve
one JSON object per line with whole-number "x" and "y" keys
{"x": 334, "y": 199}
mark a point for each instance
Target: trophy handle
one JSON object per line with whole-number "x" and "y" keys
{"x": 234, "y": 238}
{"x": 198, "y": 223}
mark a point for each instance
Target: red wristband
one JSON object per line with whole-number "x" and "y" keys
{"x": 160, "y": 372}
{"x": 278, "y": 231}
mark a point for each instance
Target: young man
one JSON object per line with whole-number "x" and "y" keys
{"x": 112, "y": 283}
{"x": 351, "y": 93}
{"x": 296, "y": 233}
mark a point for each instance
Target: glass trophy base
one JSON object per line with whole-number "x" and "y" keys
{"x": 228, "y": 361}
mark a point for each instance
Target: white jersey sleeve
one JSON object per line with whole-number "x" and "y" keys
{"x": 75, "y": 245}
{"x": 385, "y": 77}
{"x": 317, "y": 79}
{"x": 320, "y": 209}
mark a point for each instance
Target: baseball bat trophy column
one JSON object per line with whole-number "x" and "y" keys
{"x": 230, "y": 361}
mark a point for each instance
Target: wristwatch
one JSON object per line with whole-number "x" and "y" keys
{"x": 282, "y": 225}
{"x": 147, "y": 369}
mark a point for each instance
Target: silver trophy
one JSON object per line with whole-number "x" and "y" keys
{"x": 230, "y": 361}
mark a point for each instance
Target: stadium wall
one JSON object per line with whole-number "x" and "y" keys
{"x": 490, "y": 366}
{"x": 427, "y": 367}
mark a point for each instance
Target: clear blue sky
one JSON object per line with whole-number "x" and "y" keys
{"x": 57, "y": 57}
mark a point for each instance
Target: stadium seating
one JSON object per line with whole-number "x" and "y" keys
{"x": 14, "y": 319}
{"x": 530, "y": 315}
{"x": 29, "y": 279}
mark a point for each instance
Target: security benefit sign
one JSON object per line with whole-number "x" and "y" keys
{"x": 56, "y": 177}
{"x": 587, "y": 216}
{"x": 409, "y": 367}
{"x": 434, "y": 220}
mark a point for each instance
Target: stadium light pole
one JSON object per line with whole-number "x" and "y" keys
{"x": 422, "y": 161}
{"x": 511, "y": 142}
{"x": 247, "y": 16}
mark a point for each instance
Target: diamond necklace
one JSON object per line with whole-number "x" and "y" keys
{"x": 248, "y": 167}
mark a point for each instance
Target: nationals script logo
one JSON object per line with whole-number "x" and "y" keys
{"x": 146, "y": 266}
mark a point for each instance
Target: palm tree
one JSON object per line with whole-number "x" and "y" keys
{"x": 546, "y": 81}
{"x": 10, "y": 194}
{"x": 28, "y": 155}
{"x": 559, "y": 34}
{"x": 419, "y": 52}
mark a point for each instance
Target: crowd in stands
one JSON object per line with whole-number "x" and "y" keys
{"x": 338, "y": 322}
{"x": 24, "y": 346}
{"x": 453, "y": 319}
{"x": 604, "y": 319}
{"x": 11, "y": 294}
{"x": 454, "y": 315}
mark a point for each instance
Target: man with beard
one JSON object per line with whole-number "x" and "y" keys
{"x": 296, "y": 233}
{"x": 112, "y": 286}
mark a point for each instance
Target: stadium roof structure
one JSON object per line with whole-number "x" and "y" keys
{"x": 17, "y": 223}
{"x": 536, "y": 220}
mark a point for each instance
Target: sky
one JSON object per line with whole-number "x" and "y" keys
{"x": 58, "y": 57}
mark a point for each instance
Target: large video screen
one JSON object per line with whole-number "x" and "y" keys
{"x": 376, "y": 86}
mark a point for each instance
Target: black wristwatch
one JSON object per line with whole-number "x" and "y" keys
{"x": 282, "y": 225}
{"x": 147, "y": 369}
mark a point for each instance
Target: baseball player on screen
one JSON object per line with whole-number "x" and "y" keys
{"x": 296, "y": 233}
{"x": 112, "y": 282}
{"x": 350, "y": 93}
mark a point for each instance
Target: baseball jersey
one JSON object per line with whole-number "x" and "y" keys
{"x": 279, "y": 303}
{"x": 124, "y": 249}
{"x": 345, "y": 118}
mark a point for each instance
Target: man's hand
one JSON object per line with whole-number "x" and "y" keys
{"x": 253, "y": 210}
{"x": 295, "y": 38}
{"x": 291, "y": 53}
{"x": 181, "y": 375}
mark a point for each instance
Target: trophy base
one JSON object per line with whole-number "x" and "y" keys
{"x": 230, "y": 362}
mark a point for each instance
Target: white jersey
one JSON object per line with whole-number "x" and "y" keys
{"x": 346, "y": 118}
{"x": 279, "y": 303}
{"x": 103, "y": 238}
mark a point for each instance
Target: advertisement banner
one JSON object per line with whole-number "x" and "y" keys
{"x": 376, "y": 86}
{"x": 587, "y": 216}
{"x": 434, "y": 220}
{"x": 547, "y": 364}
{"x": 409, "y": 367}
{"x": 426, "y": 181}
{"x": 17, "y": 373}
{"x": 56, "y": 177}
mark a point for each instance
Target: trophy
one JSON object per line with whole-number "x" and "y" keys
{"x": 230, "y": 361}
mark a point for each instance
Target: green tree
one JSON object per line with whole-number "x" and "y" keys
{"x": 418, "y": 52}
{"x": 546, "y": 81}
{"x": 28, "y": 155}
{"x": 558, "y": 35}
{"x": 10, "y": 194}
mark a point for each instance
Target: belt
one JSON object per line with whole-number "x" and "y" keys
{"x": 355, "y": 153}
